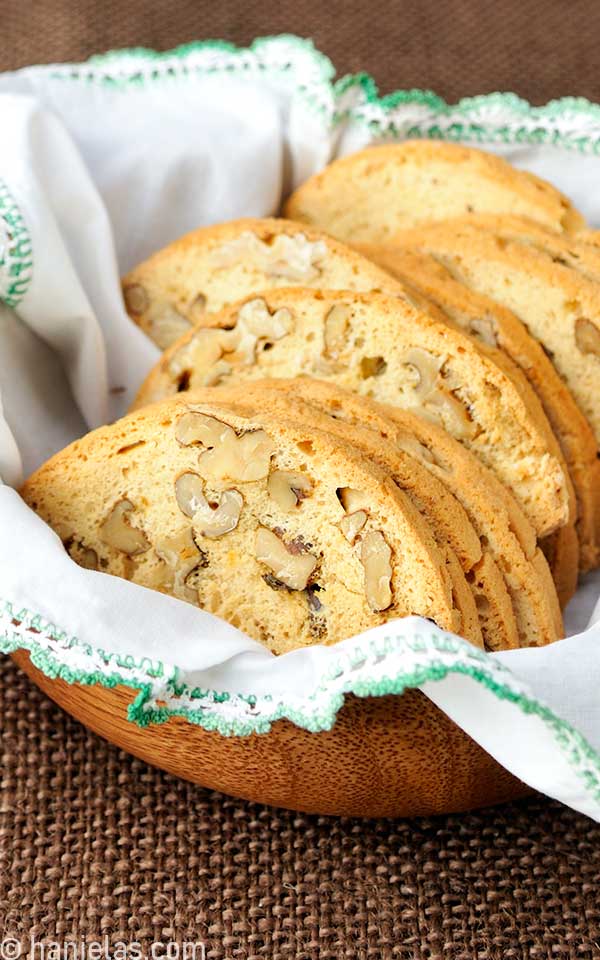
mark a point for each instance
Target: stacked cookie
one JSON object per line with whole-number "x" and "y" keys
{"x": 336, "y": 436}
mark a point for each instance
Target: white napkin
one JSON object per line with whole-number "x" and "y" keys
{"x": 101, "y": 164}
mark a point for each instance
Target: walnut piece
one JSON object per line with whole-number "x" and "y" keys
{"x": 136, "y": 298}
{"x": 433, "y": 391}
{"x": 82, "y": 555}
{"x": 452, "y": 413}
{"x": 288, "y": 488}
{"x": 189, "y": 493}
{"x": 352, "y": 524}
{"x": 352, "y": 499}
{"x": 214, "y": 522}
{"x": 209, "y": 521}
{"x": 335, "y": 331}
{"x": 423, "y": 369}
{"x": 355, "y": 504}
{"x": 244, "y": 458}
{"x": 181, "y": 557}
{"x": 291, "y": 257}
{"x": 194, "y": 427}
{"x": 117, "y": 532}
{"x": 292, "y": 569}
{"x": 485, "y": 328}
{"x": 375, "y": 557}
{"x": 212, "y": 352}
{"x": 587, "y": 336}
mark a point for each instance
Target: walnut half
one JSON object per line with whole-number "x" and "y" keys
{"x": 244, "y": 458}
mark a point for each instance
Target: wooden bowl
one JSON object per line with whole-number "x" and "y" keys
{"x": 392, "y": 756}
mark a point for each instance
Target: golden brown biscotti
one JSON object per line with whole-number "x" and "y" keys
{"x": 507, "y": 539}
{"x": 252, "y": 518}
{"x": 370, "y": 195}
{"x": 209, "y": 268}
{"x": 561, "y": 550}
{"x": 479, "y": 591}
{"x": 383, "y": 348}
{"x": 523, "y": 339}
{"x": 559, "y": 307}
{"x": 495, "y": 325}
{"x": 568, "y": 250}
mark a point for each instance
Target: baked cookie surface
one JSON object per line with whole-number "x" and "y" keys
{"x": 370, "y": 195}
{"x": 468, "y": 300}
{"x": 383, "y": 348}
{"x": 205, "y": 270}
{"x": 507, "y": 540}
{"x": 278, "y": 528}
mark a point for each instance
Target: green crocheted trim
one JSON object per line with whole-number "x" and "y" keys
{"x": 16, "y": 263}
{"x": 234, "y": 715}
{"x": 571, "y": 122}
{"x": 310, "y": 72}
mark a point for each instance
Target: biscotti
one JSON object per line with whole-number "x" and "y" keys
{"x": 507, "y": 540}
{"x": 534, "y": 286}
{"x": 492, "y": 323}
{"x": 479, "y": 592}
{"x": 278, "y": 528}
{"x": 370, "y": 195}
{"x": 384, "y": 348}
{"x": 205, "y": 270}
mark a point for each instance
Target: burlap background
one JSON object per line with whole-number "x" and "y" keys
{"x": 93, "y": 843}
{"x": 539, "y": 48}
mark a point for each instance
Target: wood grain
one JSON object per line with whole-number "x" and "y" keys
{"x": 386, "y": 756}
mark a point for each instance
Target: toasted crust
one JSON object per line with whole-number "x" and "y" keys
{"x": 470, "y": 392}
{"x": 138, "y": 461}
{"x": 370, "y": 195}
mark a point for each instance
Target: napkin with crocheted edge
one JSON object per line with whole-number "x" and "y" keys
{"x": 101, "y": 164}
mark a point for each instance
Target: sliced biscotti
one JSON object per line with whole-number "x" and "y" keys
{"x": 540, "y": 295}
{"x": 568, "y": 250}
{"x": 492, "y": 323}
{"x": 384, "y": 348}
{"x": 249, "y": 518}
{"x": 559, "y": 306}
{"x": 507, "y": 539}
{"x": 370, "y": 195}
{"x": 479, "y": 593}
{"x": 205, "y": 270}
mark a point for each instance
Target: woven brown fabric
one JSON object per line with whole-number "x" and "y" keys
{"x": 539, "y": 48}
{"x": 94, "y": 844}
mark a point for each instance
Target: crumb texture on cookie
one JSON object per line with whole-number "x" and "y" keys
{"x": 211, "y": 267}
{"x": 247, "y": 517}
{"x": 386, "y": 349}
{"x": 413, "y": 259}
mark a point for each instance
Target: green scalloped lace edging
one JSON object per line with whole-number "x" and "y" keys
{"x": 287, "y": 56}
{"x": 161, "y": 693}
{"x": 570, "y": 122}
{"x": 16, "y": 260}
